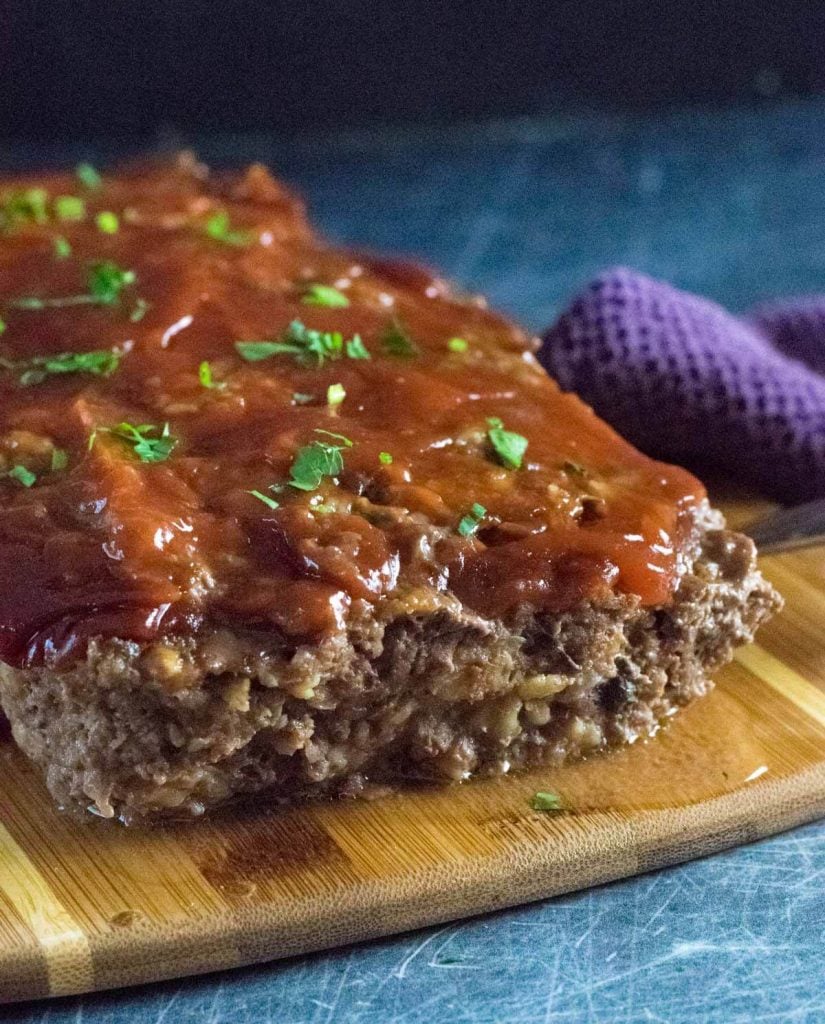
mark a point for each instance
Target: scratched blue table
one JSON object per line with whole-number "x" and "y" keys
{"x": 730, "y": 203}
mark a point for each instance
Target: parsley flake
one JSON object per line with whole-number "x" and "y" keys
{"x": 69, "y": 208}
{"x": 206, "y": 378}
{"x": 27, "y": 206}
{"x": 345, "y": 441}
{"x": 336, "y": 393}
{"x": 457, "y": 345}
{"x": 99, "y": 363}
{"x": 32, "y": 302}
{"x": 143, "y": 444}
{"x": 22, "y": 475}
{"x": 397, "y": 341}
{"x": 60, "y": 459}
{"x": 2, "y": 325}
{"x": 107, "y": 222}
{"x": 139, "y": 310}
{"x": 385, "y": 458}
{"x": 265, "y": 498}
{"x": 257, "y": 351}
{"x": 107, "y": 280}
{"x": 88, "y": 176}
{"x": 509, "y": 447}
{"x": 324, "y": 295}
{"x": 316, "y": 460}
{"x": 308, "y": 346}
{"x": 471, "y": 522}
{"x": 219, "y": 229}
{"x": 546, "y": 802}
{"x": 356, "y": 349}
{"x": 61, "y": 248}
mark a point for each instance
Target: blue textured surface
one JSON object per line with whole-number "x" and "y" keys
{"x": 731, "y": 204}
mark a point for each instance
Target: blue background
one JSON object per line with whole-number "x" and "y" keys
{"x": 729, "y": 203}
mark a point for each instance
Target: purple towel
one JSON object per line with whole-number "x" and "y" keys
{"x": 688, "y": 382}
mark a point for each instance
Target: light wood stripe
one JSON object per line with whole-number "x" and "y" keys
{"x": 63, "y": 942}
{"x": 785, "y": 680}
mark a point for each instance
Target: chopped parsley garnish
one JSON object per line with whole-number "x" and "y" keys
{"x": 265, "y": 498}
{"x": 356, "y": 349}
{"x": 206, "y": 378}
{"x": 310, "y": 346}
{"x": 257, "y": 351}
{"x": 345, "y": 441}
{"x": 69, "y": 208}
{"x": 100, "y": 363}
{"x": 219, "y": 229}
{"x": 60, "y": 459}
{"x": 88, "y": 176}
{"x": 457, "y": 345}
{"x": 300, "y": 398}
{"x": 61, "y": 248}
{"x": 385, "y": 458}
{"x": 27, "y": 206}
{"x": 397, "y": 341}
{"x": 31, "y": 206}
{"x": 316, "y": 460}
{"x": 2, "y": 325}
{"x": 546, "y": 802}
{"x": 336, "y": 393}
{"x": 147, "y": 447}
{"x": 471, "y": 522}
{"x": 22, "y": 475}
{"x": 36, "y": 200}
{"x": 107, "y": 280}
{"x": 139, "y": 310}
{"x": 32, "y": 302}
{"x": 509, "y": 447}
{"x": 324, "y": 295}
{"x": 107, "y": 222}
{"x": 306, "y": 345}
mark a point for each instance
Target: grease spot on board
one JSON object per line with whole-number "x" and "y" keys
{"x": 126, "y": 918}
{"x": 245, "y": 853}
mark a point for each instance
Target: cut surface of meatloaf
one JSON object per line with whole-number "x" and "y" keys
{"x": 281, "y": 517}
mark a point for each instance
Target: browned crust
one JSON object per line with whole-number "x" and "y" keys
{"x": 419, "y": 687}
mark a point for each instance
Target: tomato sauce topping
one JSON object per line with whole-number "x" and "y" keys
{"x": 208, "y": 416}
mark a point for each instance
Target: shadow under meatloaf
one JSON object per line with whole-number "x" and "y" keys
{"x": 420, "y": 686}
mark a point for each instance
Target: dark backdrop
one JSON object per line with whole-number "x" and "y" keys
{"x": 80, "y": 69}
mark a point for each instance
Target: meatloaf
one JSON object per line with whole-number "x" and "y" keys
{"x": 281, "y": 517}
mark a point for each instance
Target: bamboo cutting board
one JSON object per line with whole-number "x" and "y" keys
{"x": 90, "y": 905}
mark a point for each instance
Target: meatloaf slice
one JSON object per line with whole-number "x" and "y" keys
{"x": 425, "y": 689}
{"x": 280, "y": 516}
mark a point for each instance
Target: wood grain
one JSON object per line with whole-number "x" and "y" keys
{"x": 89, "y": 905}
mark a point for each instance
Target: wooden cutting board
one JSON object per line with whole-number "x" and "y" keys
{"x": 90, "y": 905}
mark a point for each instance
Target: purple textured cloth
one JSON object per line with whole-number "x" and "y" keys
{"x": 688, "y": 382}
